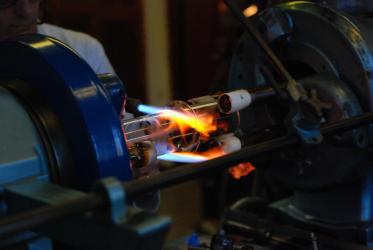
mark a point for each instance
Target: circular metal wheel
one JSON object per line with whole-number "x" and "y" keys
{"x": 75, "y": 117}
{"x": 324, "y": 50}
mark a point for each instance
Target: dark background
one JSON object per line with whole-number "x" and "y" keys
{"x": 196, "y": 39}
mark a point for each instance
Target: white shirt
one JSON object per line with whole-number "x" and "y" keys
{"x": 89, "y": 48}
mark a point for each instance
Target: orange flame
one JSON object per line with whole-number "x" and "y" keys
{"x": 251, "y": 10}
{"x": 184, "y": 120}
{"x": 241, "y": 170}
{"x": 202, "y": 156}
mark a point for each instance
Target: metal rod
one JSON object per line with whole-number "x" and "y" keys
{"x": 187, "y": 172}
{"x": 262, "y": 95}
{"x": 294, "y": 89}
{"x": 51, "y": 213}
{"x": 249, "y": 28}
{"x": 341, "y": 126}
{"x": 94, "y": 201}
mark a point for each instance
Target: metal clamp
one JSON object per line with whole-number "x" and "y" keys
{"x": 116, "y": 196}
{"x": 308, "y": 131}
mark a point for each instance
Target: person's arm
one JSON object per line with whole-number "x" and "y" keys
{"x": 97, "y": 58}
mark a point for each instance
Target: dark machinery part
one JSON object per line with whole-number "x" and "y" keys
{"x": 305, "y": 125}
{"x": 61, "y": 124}
{"x": 330, "y": 54}
{"x": 277, "y": 64}
{"x": 66, "y": 112}
{"x": 115, "y": 88}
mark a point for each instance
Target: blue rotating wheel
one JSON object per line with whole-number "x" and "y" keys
{"x": 73, "y": 113}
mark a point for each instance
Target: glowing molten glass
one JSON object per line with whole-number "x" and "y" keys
{"x": 183, "y": 119}
{"x": 182, "y": 127}
{"x": 241, "y": 170}
{"x": 205, "y": 124}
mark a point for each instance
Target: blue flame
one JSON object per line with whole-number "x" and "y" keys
{"x": 181, "y": 158}
{"x": 149, "y": 109}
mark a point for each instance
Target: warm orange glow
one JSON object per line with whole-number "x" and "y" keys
{"x": 213, "y": 153}
{"x": 184, "y": 120}
{"x": 237, "y": 172}
{"x": 202, "y": 156}
{"x": 192, "y": 157}
{"x": 222, "y": 7}
{"x": 241, "y": 170}
{"x": 251, "y": 10}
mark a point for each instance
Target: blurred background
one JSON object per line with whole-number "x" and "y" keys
{"x": 161, "y": 49}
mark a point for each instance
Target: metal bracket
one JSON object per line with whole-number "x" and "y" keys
{"x": 308, "y": 131}
{"x": 116, "y": 196}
